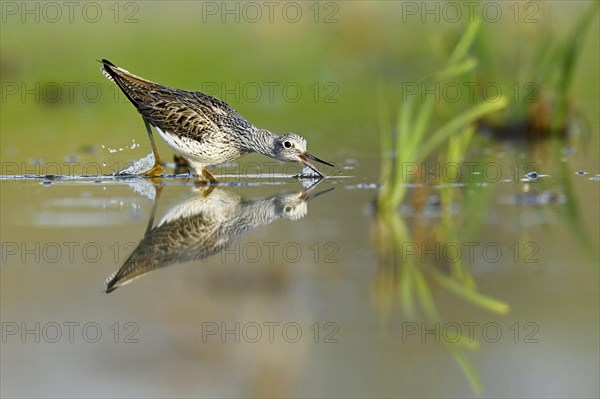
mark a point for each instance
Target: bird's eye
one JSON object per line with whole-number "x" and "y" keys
{"x": 287, "y": 144}
{"x": 287, "y": 209}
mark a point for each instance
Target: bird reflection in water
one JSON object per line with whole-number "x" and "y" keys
{"x": 203, "y": 225}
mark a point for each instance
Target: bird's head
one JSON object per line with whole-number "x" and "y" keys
{"x": 290, "y": 147}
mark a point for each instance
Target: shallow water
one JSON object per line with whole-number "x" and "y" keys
{"x": 256, "y": 288}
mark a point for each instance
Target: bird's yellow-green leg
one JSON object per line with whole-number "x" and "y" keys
{"x": 210, "y": 178}
{"x": 157, "y": 169}
{"x": 206, "y": 190}
{"x": 181, "y": 164}
{"x": 205, "y": 179}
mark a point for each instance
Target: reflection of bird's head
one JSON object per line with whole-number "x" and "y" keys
{"x": 294, "y": 206}
{"x": 291, "y": 206}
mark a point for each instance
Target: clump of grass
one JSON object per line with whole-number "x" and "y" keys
{"x": 413, "y": 140}
{"x": 411, "y": 281}
{"x": 544, "y": 108}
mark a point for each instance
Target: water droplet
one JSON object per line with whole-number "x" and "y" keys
{"x": 367, "y": 186}
{"x": 71, "y": 158}
{"x": 532, "y": 175}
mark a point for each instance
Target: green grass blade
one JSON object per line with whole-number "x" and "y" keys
{"x": 461, "y": 49}
{"x": 467, "y": 368}
{"x": 460, "y": 121}
{"x": 572, "y": 50}
{"x": 386, "y": 147}
{"x": 455, "y": 70}
{"x": 475, "y": 298}
{"x": 421, "y": 124}
{"x": 425, "y": 297}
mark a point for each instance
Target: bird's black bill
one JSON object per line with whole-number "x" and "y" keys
{"x": 312, "y": 157}
{"x": 306, "y": 156}
{"x": 307, "y": 196}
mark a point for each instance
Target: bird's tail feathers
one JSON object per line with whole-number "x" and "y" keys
{"x": 127, "y": 81}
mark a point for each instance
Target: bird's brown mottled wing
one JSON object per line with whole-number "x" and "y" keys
{"x": 186, "y": 113}
{"x": 176, "y": 112}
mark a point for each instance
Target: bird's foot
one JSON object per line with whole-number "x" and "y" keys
{"x": 155, "y": 171}
{"x": 208, "y": 176}
{"x": 204, "y": 189}
{"x": 205, "y": 179}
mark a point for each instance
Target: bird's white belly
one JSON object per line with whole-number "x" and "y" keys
{"x": 191, "y": 150}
